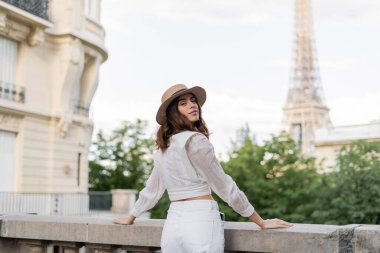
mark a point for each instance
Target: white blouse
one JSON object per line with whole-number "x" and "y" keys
{"x": 188, "y": 168}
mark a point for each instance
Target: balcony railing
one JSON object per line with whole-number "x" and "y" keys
{"x": 41, "y": 234}
{"x": 36, "y": 7}
{"x": 45, "y": 203}
{"x": 12, "y": 92}
{"x": 80, "y": 204}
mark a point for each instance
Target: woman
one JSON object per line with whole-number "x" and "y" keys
{"x": 185, "y": 165}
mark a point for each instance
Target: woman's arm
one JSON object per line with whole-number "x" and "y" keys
{"x": 148, "y": 197}
{"x": 202, "y": 156}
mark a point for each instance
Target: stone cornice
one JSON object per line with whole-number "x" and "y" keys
{"x": 9, "y": 122}
{"x": 89, "y": 41}
{"x": 20, "y": 110}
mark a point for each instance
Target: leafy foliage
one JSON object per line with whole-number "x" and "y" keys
{"x": 352, "y": 194}
{"x": 280, "y": 182}
{"x": 161, "y": 208}
{"x": 121, "y": 160}
{"x": 275, "y": 177}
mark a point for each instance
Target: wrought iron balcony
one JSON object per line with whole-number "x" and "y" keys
{"x": 36, "y": 7}
{"x": 12, "y": 92}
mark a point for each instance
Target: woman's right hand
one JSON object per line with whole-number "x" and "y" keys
{"x": 124, "y": 220}
{"x": 275, "y": 223}
{"x": 269, "y": 223}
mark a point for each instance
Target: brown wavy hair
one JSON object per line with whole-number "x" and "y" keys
{"x": 176, "y": 123}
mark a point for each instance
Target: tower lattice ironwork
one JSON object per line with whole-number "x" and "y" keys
{"x": 305, "y": 109}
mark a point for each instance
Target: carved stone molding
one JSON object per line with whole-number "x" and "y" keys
{"x": 10, "y": 122}
{"x": 13, "y": 29}
{"x": 36, "y": 37}
{"x": 3, "y": 20}
{"x": 64, "y": 124}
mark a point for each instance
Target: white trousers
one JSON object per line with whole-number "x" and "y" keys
{"x": 193, "y": 226}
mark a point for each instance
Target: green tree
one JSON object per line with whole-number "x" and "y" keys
{"x": 276, "y": 178}
{"x": 352, "y": 193}
{"x": 161, "y": 208}
{"x": 124, "y": 160}
{"x": 244, "y": 167}
{"x": 121, "y": 160}
{"x": 243, "y": 134}
{"x": 293, "y": 180}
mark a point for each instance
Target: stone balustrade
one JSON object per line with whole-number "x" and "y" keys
{"x": 40, "y": 234}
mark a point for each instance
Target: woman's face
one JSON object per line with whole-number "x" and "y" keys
{"x": 187, "y": 105}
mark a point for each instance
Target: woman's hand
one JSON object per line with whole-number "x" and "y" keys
{"x": 269, "y": 223}
{"x": 275, "y": 223}
{"x": 124, "y": 220}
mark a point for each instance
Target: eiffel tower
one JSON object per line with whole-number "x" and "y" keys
{"x": 305, "y": 109}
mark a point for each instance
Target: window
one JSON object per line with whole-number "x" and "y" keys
{"x": 78, "y": 168}
{"x": 76, "y": 97}
{"x": 8, "y": 60}
{"x": 7, "y": 153}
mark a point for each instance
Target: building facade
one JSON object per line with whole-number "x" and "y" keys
{"x": 330, "y": 140}
{"x": 50, "y": 54}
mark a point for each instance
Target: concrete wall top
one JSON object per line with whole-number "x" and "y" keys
{"x": 240, "y": 236}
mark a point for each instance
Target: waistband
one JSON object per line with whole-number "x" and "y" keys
{"x": 192, "y": 205}
{"x": 190, "y": 191}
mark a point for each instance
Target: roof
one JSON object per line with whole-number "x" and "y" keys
{"x": 348, "y": 133}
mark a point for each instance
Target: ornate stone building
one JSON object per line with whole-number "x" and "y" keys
{"x": 50, "y": 54}
{"x": 330, "y": 140}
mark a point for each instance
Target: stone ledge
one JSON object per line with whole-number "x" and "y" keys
{"x": 240, "y": 236}
{"x": 367, "y": 239}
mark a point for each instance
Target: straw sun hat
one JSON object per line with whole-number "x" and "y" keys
{"x": 174, "y": 92}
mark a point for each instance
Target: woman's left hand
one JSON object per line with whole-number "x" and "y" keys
{"x": 124, "y": 220}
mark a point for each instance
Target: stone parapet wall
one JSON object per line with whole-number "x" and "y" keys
{"x": 31, "y": 233}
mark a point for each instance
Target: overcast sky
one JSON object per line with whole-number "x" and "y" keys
{"x": 240, "y": 51}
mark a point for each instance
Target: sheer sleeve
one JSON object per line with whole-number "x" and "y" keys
{"x": 151, "y": 194}
{"x": 201, "y": 154}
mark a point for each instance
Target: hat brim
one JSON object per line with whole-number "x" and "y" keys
{"x": 197, "y": 91}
